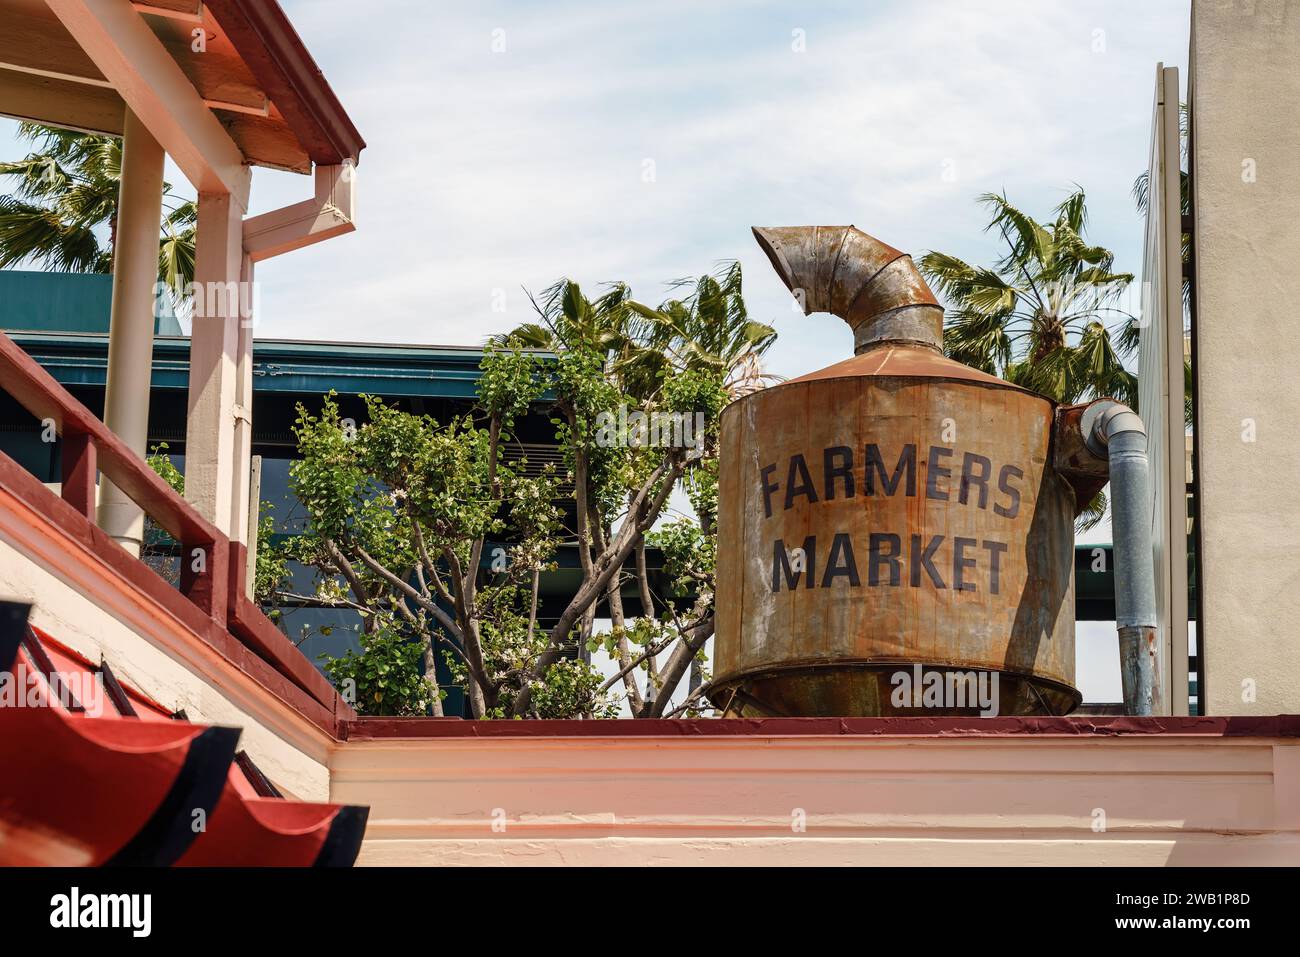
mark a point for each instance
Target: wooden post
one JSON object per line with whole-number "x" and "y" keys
{"x": 205, "y": 570}
{"x": 254, "y": 514}
{"x": 211, "y": 470}
{"x": 78, "y": 472}
{"x": 243, "y": 506}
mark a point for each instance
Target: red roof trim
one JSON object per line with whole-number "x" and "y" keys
{"x": 135, "y": 695}
{"x": 20, "y": 483}
{"x": 279, "y": 61}
{"x": 109, "y": 756}
{"x": 83, "y": 790}
{"x": 1266, "y": 726}
{"x": 274, "y": 832}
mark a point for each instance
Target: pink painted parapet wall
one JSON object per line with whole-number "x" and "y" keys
{"x": 898, "y": 791}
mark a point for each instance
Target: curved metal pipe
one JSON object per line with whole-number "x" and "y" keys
{"x": 872, "y": 286}
{"x": 1115, "y": 432}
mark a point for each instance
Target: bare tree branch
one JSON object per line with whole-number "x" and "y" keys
{"x": 643, "y": 513}
{"x": 692, "y": 641}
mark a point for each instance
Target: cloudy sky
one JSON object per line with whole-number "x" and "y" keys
{"x": 511, "y": 144}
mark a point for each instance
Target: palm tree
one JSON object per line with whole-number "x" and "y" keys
{"x": 66, "y": 193}
{"x": 1046, "y": 315}
{"x": 568, "y": 320}
{"x": 709, "y": 329}
{"x": 641, "y": 347}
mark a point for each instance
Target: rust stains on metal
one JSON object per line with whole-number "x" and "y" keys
{"x": 872, "y": 286}
{"x": 1086, "y": 471}
{"x": 870, "y": 523}
{"x": 904, "y": 359}
{"x": 891, "y": 517}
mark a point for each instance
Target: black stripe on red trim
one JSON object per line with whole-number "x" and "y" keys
{"x": 58, "y": 687}
{"x": 262, "y": 785}
{"x": 343, "y": 842}
{"x": 170, "y": 830}
{"x": 13, "y": 625}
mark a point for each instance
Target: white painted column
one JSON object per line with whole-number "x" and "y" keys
{"x": 130, "y": 339}
{"x": 240, "y": 492}
{"x": 211, "y": 470}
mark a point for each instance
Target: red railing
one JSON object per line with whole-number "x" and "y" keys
{"x": 216, "y": 588}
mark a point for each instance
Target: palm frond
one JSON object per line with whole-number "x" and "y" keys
{"x": 1036, "y": 317}
{"x": 531, "y": 335}
{"x": 66, "y": 191}
{"x": 36, "y": 235}
{"x": 977, "y": 288}
{"x": 1096, "y": 369}
{"x": 1028, "y": 240}
{"x": 978, "y": 339}
{"x": 1073, "y": 211}
{"x": 1092, "y": 513}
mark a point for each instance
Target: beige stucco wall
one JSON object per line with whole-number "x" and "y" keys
{"x": 1245, "y": 91}
{"x": 826, "y": 799}
{"x": 88, "y": 608}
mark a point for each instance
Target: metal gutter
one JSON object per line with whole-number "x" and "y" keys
{"x": 279, "y": 366}
{"x": 286, "y": 72}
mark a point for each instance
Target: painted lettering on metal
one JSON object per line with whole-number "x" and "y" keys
{"x": 890, "y": 559}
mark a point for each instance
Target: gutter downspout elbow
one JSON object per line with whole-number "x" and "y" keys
{"x": 331, "y": 212}
{"x": 1115, "y": 432}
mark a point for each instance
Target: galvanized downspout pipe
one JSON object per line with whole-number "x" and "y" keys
{"x": 1114, "y": 431}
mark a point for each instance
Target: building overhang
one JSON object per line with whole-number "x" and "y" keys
{"x": 71, "y": 729}
{"x": 288, "y": 366}
{"x": 230, "y": 77}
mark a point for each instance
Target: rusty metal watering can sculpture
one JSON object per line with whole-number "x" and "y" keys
{"x": 899, "y": 526}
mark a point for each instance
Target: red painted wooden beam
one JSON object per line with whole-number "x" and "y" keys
{"x": 38, "y": 392}
{"x": 79, "y": 472}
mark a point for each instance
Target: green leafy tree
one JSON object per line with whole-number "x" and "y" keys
{"x": 406, "y": 520}
{"x": 384, "y": 677}
{"x": 438, "y": 539}
{"x": 65, "y": 196}
{"x": 683, "y": 361}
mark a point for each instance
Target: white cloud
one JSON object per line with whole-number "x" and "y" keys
{"x": 503, "y": 170}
